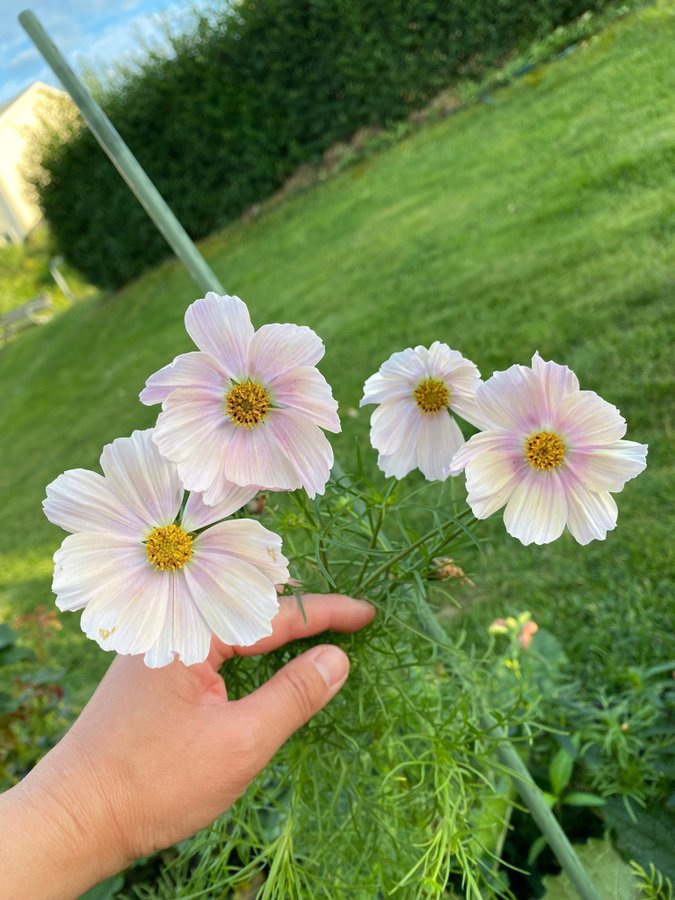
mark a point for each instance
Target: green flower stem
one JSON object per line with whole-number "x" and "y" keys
{"x": 527, "y": 788}
{"x": 397, "y": 557}
{"x": 542, "y": 815}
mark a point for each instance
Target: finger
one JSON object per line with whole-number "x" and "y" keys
{"x": 297, "y": 692}
{"x": 322, "y": 612}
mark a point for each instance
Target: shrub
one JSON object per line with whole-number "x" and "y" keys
{"x": 249, "y": 95}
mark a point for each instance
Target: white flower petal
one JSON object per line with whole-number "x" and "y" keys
{"x": 305, "y": 390}
{"x": 253, "y": 456}
{"x": 130, "y": 621}
{"x": 142, "y": 479}
{"x": 189, "y": 419}
{"x": 202, "y": 469}
{"x": 237, "y": 601}
{"x": 379, "y": 388}
{"x": 607, "y": 468}
{"x": 188, "y": 370}
{"x": 490, "y": 471}
{"x": 404, "y": 459}
{"x": 247, "y": 540}
{"x": 221, "y": 326}
{"x": 586, "y": 420}
{"x": 80, "y": 500}
{"x": 305, "y": 446}
{"x": 438, "y": 440}
{"x": 276, "y": 348}
{"x": 198, "y": 514}
{"x": 556, "y": 382}
{"x": 485, "y": 442}
{"x": 185, "y": 634}
{"x": 87, "y": 563}
{"x": 390, "y": 423}
{"x": 590, "y": 514}
{"x": 537, "y": 509}
{"x": 510, "y": 399}
{"x": 409, "y": 364}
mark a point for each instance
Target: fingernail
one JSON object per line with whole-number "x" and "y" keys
{"x": 331, "y": 664}
{"x": 365, "y": 605}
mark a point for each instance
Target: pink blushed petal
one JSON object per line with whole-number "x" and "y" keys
{"x": 184, "y": 635}
{"x": 305, "y": 390}
{"x": 607, "y": 468}
{"x": 556, "y": 382}
{"x": 254, "y": 456}
{"x": 236, "y": 600}
{"x": 438, "y": 440}
{"x": 276, "y": 348}
{"x": 189, "y": 370}
{"x": 201, "y": 470}
{"x": 305, "y": 446}
{"x": 585, "y": 419}
{"x": 511, "y": 399}
{"x": 491, "y": 476}
{"x": 198, "y": 514}
{"x": 247, "y": 540}
{"x": 497, "y": 441}
{"x": 537, "y": 509}
{"x": 142, "y": 479}
{"x": 221, "y": 326}
{"x": 80, "y": 500}
{"x": 484, "y": 505}
{"x": 591, "y": 514}
{"x": 390, "y": 422}
{"x": 189, "y": 419}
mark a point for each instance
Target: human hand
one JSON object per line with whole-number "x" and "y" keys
{"x": 159, "y": 753}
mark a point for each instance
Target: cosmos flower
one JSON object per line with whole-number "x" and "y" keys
{"x": 155, "y": 576}
{"x": 550, "y": 452}
{"x": 248, "y": 408}
{"x": 416, "y": 391}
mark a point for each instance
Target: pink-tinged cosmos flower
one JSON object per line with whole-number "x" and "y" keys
{"x": 155, "y": 576}
{"x": 550, "y": 452}
{"x": 416, "y": 391}
{"x": 248, "y": 407}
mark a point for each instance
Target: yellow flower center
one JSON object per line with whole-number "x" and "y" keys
{"x": 431, "y": 395}
{"x": 168, "y": 547}
{"x": 544, "y": 451}
{"x": 248, "y": 404}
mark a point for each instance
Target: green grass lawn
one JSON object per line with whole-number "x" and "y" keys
{"x": 544, "y": 219}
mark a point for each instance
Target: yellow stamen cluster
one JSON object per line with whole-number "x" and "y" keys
{"x": 431, "y": 395}
{"x": 248, "y": 404}
{"x": 168, "y": 547}
{"x": 544, "y": 451}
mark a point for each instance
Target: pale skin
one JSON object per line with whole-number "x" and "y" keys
{"x": 158, "y": 754}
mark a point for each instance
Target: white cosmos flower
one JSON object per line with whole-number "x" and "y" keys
{"x": 550, "y": 452}
{"x": 248, "y": 408}
{"x": 417, "y": 390}
{"x": 153, "y": 576}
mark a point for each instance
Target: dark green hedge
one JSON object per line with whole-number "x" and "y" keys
{"x": 249, "y": 97}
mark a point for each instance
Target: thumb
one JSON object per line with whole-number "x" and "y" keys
{"x": 292, "y": 696}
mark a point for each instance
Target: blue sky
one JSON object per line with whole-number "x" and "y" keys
{"x": 91, "y": 32}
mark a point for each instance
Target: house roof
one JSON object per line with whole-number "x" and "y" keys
{"x": 36, "y": 85}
